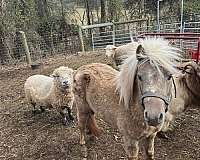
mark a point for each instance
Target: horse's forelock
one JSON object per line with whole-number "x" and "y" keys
{"x": 162, "y": 53}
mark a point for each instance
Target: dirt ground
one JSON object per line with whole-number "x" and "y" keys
{"x": 24, "y": 136}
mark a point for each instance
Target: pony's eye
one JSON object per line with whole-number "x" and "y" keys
{"x": 140, "y": 77}
{"x": 169, "y": 77}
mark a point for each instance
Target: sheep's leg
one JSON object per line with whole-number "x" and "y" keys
{"x": 149, "y": 146}
{"x": 34, "y": 107}
{"x": 71, "y": 117}
{"x": 42, "y": 109}
{"x": 66, "y": 115}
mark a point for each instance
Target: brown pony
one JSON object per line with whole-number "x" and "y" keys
{"x": 144, "y": 91}
{"x": 188, "y": 89}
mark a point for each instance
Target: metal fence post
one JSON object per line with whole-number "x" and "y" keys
{"x": 158, "y": 15}
{"x": 131, "y": 35}
{"x": 198, "y": 51}
{"x": 183, "y": 27}
{"x": 93, "y": 41}
{"x": 25, "y": 45}
{"x": 113, "y": 34}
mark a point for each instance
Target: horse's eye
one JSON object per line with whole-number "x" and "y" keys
{"x": 188, "y": 69}
{"x": 140, "y": 77}
{"x": 74, "y": 81}
{"x": 169, "y": 77}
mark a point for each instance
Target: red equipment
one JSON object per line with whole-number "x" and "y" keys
{"x": 186, "y": 37}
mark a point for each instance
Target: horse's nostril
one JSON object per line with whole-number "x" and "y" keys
{"x": 146, "y": 115}
{"x": 161, "y": 117}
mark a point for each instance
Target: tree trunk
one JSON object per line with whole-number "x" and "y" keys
{"x": 87, "y": 12}
{"x": 4, "y": 51}
{"x": 62, "y": 8}
{"x": 97, "y": 10}
{"x": 103, "y": 11}
{"x": 42, "y": 8}
{"x": 103, "y": 15}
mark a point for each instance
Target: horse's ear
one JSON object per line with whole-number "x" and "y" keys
{"x": 140, "y": 49}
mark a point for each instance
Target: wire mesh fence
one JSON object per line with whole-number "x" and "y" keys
{"x": 13, "y": 47}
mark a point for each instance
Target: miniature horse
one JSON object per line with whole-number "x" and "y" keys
{"x": 143, "y": 88}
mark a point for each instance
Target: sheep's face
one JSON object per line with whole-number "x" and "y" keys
{"x": 63, "y": 76}
{"x": 110, "y": 50}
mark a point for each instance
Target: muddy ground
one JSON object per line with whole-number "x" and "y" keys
{"x": 25, "y": 136}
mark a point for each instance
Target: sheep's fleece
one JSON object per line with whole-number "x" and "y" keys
{"x": 55, "y": 91}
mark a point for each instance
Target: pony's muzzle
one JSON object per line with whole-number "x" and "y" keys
{"x": 154, "y": 111}
{"x": 153, "y": 120}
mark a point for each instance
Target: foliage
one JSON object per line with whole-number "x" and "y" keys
{"x": 192, "y": 6}
{"x": 43, "y": 18}
{"x": 115, "y": 10}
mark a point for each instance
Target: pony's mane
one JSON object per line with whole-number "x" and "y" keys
{"x": 159, "y": 52}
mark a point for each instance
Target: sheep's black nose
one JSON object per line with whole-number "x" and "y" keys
{"x": 65, "y": 83}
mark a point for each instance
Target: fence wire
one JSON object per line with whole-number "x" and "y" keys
{"x": 12, "y": 49}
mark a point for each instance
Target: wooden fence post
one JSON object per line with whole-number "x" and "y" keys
{"x": 81, "y": 39}
{"x": 25, "y": 45}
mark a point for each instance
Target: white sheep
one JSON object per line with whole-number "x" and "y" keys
{"x": 118, "y": 54}
{"x": 54, "y": 91}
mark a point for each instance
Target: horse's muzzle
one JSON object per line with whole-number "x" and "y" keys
{"x": 155, "y": 121}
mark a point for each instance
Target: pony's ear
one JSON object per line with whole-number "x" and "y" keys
{"x": 140, "y": 49}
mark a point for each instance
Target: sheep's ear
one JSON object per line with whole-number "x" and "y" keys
{"x": 114, "y": 48}
{"x": 190, "y": 68}
{"x": 53, "y": 75}
{"x": 74, "y": 71}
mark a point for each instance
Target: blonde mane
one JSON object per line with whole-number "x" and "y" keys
{"x": 159, "y": 52}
